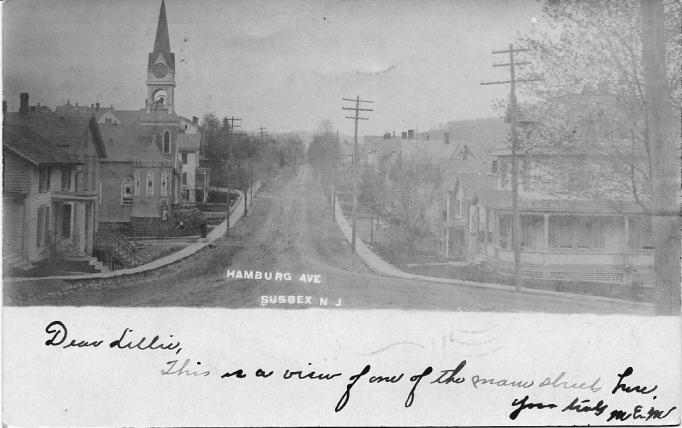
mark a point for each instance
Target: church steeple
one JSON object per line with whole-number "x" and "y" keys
{"x": 162, "y": 43}
{"x": 161, "y": 68}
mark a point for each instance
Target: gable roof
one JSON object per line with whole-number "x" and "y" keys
{"x": 124, "y": 140}
{"x": 472, "y": 183}
{"x": 34, "y": 147}
{"x": 188, "y": 142}
{"x": 503, "y": 199}
{"x": 70, "y": 132}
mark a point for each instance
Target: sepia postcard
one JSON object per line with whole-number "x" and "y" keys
{"x": 341, "y": 213}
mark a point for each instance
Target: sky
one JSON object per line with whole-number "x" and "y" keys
{"x": 285, "y": 65}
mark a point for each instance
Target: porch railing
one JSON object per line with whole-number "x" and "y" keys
{"x": 120, "y": 252}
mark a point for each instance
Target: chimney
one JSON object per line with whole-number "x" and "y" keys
{"x": 23, "y": 103}
{"x": 410, "y": 134}
{"x": 195, "y": 120}
{"x": 394, "y": 133}
{"x": 404, "y": 136}
{"x": 446, "y": 137}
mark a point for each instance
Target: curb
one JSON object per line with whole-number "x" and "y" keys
{"x": 382, "y": 267}
{"x": 189, "y": 250}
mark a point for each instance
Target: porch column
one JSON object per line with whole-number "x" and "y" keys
{"x": 546, "y": 224}
{"x": 626, "y": 232}
{"x": 627, "y": 271}
{"x": 79, "y": 226}
{"x": 544, "y": 253}
{"x": 447, "y": 225}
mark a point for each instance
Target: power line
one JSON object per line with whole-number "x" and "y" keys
{"x": 516, "y": 219}
{"x": 357, "y": 117}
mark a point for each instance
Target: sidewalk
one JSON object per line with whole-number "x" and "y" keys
{"x": 236, "y": 213}
{"x": 380, "y": 266}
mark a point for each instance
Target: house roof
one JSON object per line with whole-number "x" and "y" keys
{"x": 70, "y": 132}
{"x": 188, "y": 142}
{"x": 472, "y": 183}
{"x": 33, "y": 147}
{"x": 502, "y": 199}
{"x": 125, "y": 142}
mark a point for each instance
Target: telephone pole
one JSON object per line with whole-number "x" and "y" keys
{"x": 252, "y": 167}
{"x": 228, "y": 126}
{"x": 516, "y": 218}
{"x": 666, "y": 175}
{"x": 357, "y": 111}
{"x": 262, "y": 134}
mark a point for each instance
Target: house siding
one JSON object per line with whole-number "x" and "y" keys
{"x": 111, "y": 210}
{"x": 16, "y": 173}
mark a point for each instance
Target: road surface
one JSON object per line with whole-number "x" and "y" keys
{"x": 290, "y": 231}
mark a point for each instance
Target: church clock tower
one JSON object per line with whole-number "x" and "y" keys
{"x": 161, "y": 69}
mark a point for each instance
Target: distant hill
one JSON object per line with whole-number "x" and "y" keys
{"x": 482, "y": 134}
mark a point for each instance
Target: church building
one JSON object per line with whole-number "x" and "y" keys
{"x": 141, "y": 178}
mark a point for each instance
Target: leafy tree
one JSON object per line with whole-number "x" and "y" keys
{"x": 591, "y": 105}
{"x": 323, "y": 151}
{"x": 414, "y": 184}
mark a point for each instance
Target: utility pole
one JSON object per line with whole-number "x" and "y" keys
{"x": 262, "y": 141}
{"x": 516, "y": 218}
{"x": 666, "y": 175}
{"x": 262, "y": 134}
{"x": 333, "y": 189}
{"x": 357, "y": 110}
{"x": 228, "y": 126}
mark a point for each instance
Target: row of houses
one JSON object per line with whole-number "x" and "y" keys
{"x": 598, "y": 236}
{"x": 78, "y": 171}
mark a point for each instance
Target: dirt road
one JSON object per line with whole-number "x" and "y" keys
{"x": 290, "y": 231}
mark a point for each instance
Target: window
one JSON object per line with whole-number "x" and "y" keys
{"x": 505, "y": 231}
{"x": 532, "y": 231}
{"x": 577, "y": 232}
{"x": 43, "y": 178}
{"x": 184, "y": 178}
{"x": 200, "y": 179}
{"x": 525, "y": 173}
{"x": 184, "y": 157}
{"x": 137, "y": 183}
{"x": 66, "y": 220}
{"x": 166, "y": 142}
{"x": 503, "y": 175}
{"x": 150, "y": 184}
{"x": 42, "y": 226}
{"x": 66, "y": 179}
{"x": 164, "y": 183}
{"x": 494, "y": 168}
{"x": 640, "y": 233}
{"x": 127, "y": 191}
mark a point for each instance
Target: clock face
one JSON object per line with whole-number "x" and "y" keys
{"x": 160, "y": 70}
{"x": 160, "y": 97}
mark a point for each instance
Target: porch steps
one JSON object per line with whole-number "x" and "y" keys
{"x": 98, "y": 265}
{"x": 120, "y": 248}
{"x": 14, "y": 261}
{"x": 92, "y": 261}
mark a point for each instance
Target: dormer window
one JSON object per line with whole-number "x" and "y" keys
{"x": 166, "y": 142}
